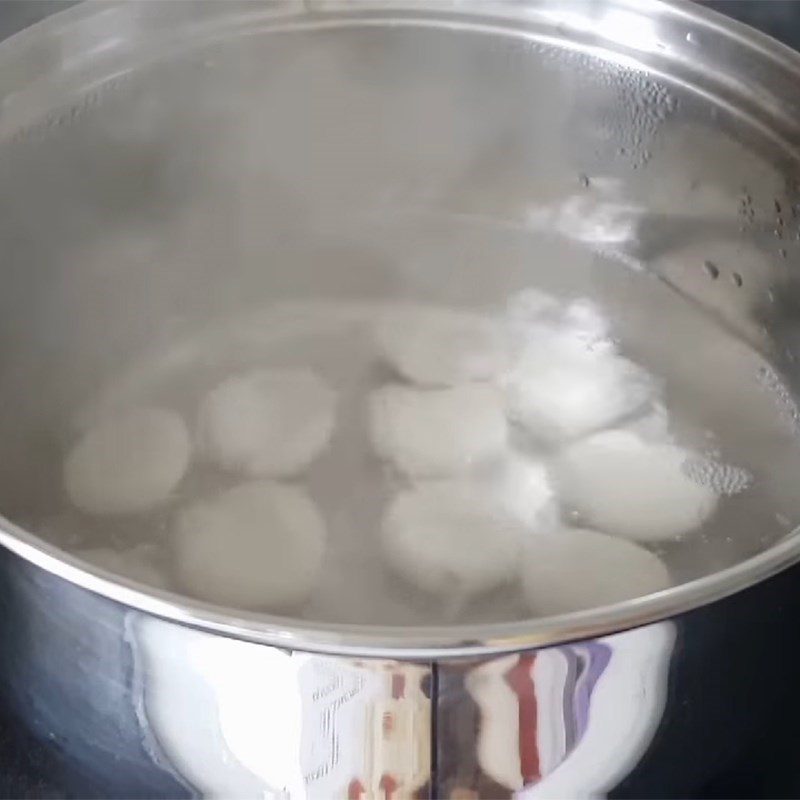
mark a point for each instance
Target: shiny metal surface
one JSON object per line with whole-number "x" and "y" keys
{"x": 142, "y": 693}
{"x": 568, "y": 721}
{"x": 137, "y": 706}
{"x": 132, "y": 705}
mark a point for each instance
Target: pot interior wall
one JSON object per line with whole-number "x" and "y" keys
{"x": 170, "y": 210}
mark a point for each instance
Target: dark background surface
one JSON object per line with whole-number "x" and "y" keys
{"x": 28, "y": 770}
{"x": 778, "y": 18}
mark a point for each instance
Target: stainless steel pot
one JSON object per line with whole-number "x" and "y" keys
{"x": 134, "y": 136}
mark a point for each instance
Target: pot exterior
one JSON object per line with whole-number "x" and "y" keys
{"x": 123, "y": 704}
{"x": 120, "y": 703}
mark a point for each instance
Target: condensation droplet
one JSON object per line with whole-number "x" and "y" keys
{"x": 711, "y": 269}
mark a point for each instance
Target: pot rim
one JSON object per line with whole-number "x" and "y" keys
{"x": 422, "y": 643}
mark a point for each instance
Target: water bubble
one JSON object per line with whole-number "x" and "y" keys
{"x": 723, "y": 479}
{"x": 772, "y": 383}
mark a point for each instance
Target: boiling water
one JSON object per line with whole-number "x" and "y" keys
{"x": 724, "y": 400}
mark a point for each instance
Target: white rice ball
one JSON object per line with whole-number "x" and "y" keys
{"x": 653, "y": 425}
{"x": 258, "y": 545}
{"x": 560, "y": 388}
{"x": 574, "y": 569}
{"x": 437, "y": 432}
{"x": 522, "y": 487}
{"x": 583, "y": 320}
{"x": 626, "y": 486}
{"x": 267, "y": 423}
{"x": 441, "y": 347}
{"x": 138, "y": 563}
{"x": 451, "y": 539}
{"x": 128, "y": 463}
